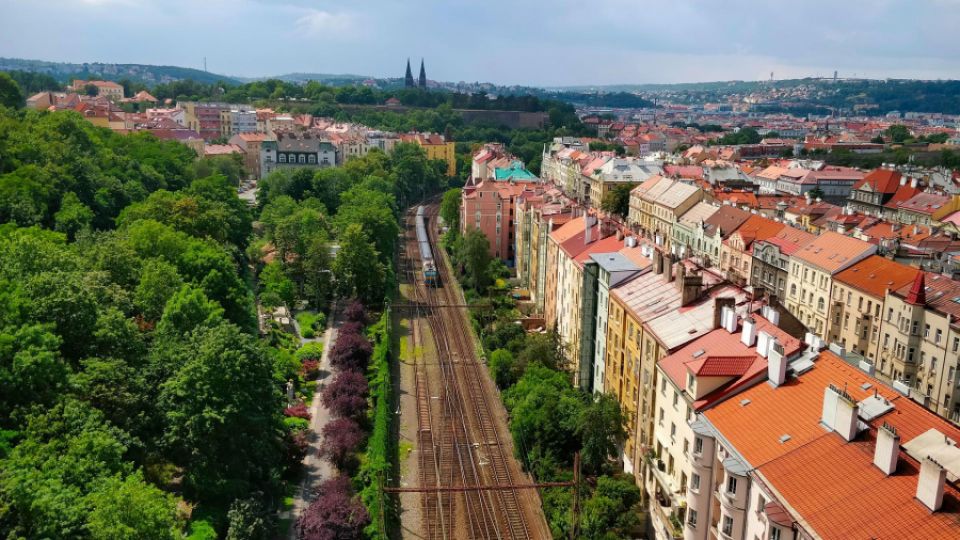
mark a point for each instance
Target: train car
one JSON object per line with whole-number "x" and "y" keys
{"x": 429, "y": 267}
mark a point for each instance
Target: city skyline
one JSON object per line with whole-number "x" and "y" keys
{"x": 521, "y": 43}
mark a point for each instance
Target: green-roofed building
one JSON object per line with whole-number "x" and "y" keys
{"x": 516, "y": 171}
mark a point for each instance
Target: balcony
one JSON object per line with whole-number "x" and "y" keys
{"x": 672, "y": 524}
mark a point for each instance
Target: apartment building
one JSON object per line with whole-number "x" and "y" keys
{"x": 635, "y": 213}
{"x": 812, "y": 267}
{"x": 736, "y": 252}
{"x": 669, "y": 206}
{"x": 614, "y": 172}
{"x": 295, "y": 149}
{"x": 204, "y": 118}
{"x": 717, "y": 228}
{"x": 771, "y": 258}
{"x": 919, "y": 209}
{"x": 237, "y": 120}
{"x": 822, "y": 450}
{"x": 537, "y": 214}
{"x": 436, "y": 147}
{"x": 649, "y": 317}
{"x": 859, "y": 293}
{"x": 880, "y": 191}
{"x": 489, "y": 207}
{"x": 920, "y": 345}
{"x": 249, "y": 144}
{"x": 706, "y": 371}
{"x": 687, "y": 231}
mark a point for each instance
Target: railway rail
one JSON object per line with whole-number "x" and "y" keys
{"x": 467, "y": 484}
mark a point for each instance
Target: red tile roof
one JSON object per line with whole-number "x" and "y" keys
{"x": 881, "y": 181}
{"x": 875, "y": 274}
{"x": 829, "y": 484}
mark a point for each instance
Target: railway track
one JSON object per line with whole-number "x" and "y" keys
{"x": 469, "y": 451}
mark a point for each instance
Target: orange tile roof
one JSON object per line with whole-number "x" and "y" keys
{"x": 833, "y": 251}
{"x": 875, "y": 274}
{"x": 789, "y": 240}
{"x": 757, "y": 228}
{"x": 829, "y": 484}
{"x": 881, "y": 180}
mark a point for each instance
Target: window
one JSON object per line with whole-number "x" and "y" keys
{"x": 673, "y": 430}
{"x": 312, "y": 158}
{"x": 663, "y": 386}
{"x": 698, "y": 446}
{"x": 938, "y": 337}
{"x": 761, "y": 502}
{"x": 692, "y": 518}
{"x": 926, "y": 330}
{"x": 676, "y": 399}
{"x": 302, "y": 158}
{"x": 661, "y": 417}
{"x": 282, "y": 158}
{"x": 956, "y": 344}
{"x": 727, "y": 526}
{"x": 774, "y": 533}
{"x": 690, "y": 381}
{"x": 695, "y": 482}
{"x": 731, "y": 485}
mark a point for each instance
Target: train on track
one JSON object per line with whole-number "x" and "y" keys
{"x": 430, "y": 275}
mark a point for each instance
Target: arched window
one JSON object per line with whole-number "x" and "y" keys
{"x": 282, "y": 158}
{"x": 820, "y": 304}
{"x": 312, "y": 158}
{"x": 793, "y": 290}
{"x": 303, "y": 158}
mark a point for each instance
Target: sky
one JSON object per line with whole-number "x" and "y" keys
{"x": 538, "y": 43}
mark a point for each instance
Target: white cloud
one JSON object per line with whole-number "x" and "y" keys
{"x": 319, "y": 23}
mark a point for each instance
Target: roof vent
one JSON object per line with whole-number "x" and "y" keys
{"x": 698, "y": 353}
{"x": 744, "y": 402}
{"x": 784, "y": 438}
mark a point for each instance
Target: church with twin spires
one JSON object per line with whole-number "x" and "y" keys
{"x": 421, "y": 81}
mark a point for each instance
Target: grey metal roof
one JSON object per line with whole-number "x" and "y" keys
{"x": 614, "y": 262}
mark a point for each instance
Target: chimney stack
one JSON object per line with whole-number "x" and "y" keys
{"x": 719, "y": 305}
{"x": 657, "y": 261}
{"x": 681, "y": 275}
{"x": 748, "y": 336}
{"x": 691, "y": 285}
{"x": 776, "y": 362}
{"x": 930, "y": 484}
{"x": 840, "y": 412}
{"x": 729, "y": 319}
{"x": 668, "y": 266}
{"x": 764, "y": 341}
{"x": 887, "y": 451}
{"x": 913, "y": 182}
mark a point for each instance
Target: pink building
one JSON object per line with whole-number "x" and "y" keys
{"x": 489, "y": 206}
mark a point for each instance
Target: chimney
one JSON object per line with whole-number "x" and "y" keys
{"x": 657, "y": 261}
{"x": 913, "y": 182}
{"x": 930, "y": 484}
{"x": 840, "y": 412}
{"x": 681, "y": 274}
{"x": 764, "y": 341}
{"x": 619, "y": 234}
{"x": 692, "y": 283}
{"x": 776, "y": 363}
{"x": 668, "y": 266}
{"x": 719, "y": 304}
{"x": 903, "y": 180}
{"x": 588, "y": 224}
{"x": 887, "y": 451}
{"x": 748, "y": 335}
{"x": 729, "y": 319}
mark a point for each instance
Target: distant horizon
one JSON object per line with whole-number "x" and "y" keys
{"x": 527, "y": 43}
{"x": 481, "y": 81}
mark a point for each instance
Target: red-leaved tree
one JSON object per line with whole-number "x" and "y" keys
{"x": 341, "y": 438}
{"x": 334, "y": 514}
{"x": 351, "y": 352}
{"x": 355, "y": 312}
{"x": 346, "y": 395}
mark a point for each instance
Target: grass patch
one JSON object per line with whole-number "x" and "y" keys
{"x": 311, "y": 322}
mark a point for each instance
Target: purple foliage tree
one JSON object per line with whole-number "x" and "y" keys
{"x": 351, "y": 352}
{"x": 334, "y": 514}
{"x": 341, "y": 438}
{"x": 346, "y": 395}
{"x": 350, "y": 327}
{"x": 355, "y": 312}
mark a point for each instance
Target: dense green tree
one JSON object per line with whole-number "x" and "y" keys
{"x": 222, "y": 415}
{"x": 249, "y": 520}
{"x": 602, "y": 430}
{"x": 450, "y": 208}
{"x": 611, "y": 512}
{"x": 544, "y": 411}
{"x": 356, "y": 268}
{"x": 374, "y": 212}
{"x": 276, "y": 288}
{"x": 31, "y": 371}
{"x": 543, "y": 349}
{"x": 73, "y": 216}
{"x": 503, "y": 368}
{"x": 229, "y": 166}
{"x": 617, "y": 200}
{"x": 10, "y": 94}
{"x": 187, "y": 310}
{"x": 132, "y": 509}
{"x": 475, "y": 255}
{"x": 898, "y": 133}
{"x": 158, "y": 283}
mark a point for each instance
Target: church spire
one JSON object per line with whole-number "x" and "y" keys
{"x": 408, "y": 82}
{"x": 422, "y": 83}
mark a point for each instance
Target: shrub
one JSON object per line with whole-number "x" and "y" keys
{"x": 346, "y": 396}
{"x": 309, "y": 369}
{"x": 292, "y": 423}
{"x": 297, "y": 410}
{"x": 310, "y": 351}
{"x": 341, "y": 439}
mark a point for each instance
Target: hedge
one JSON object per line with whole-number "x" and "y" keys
{"x": 378, "y": 461}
